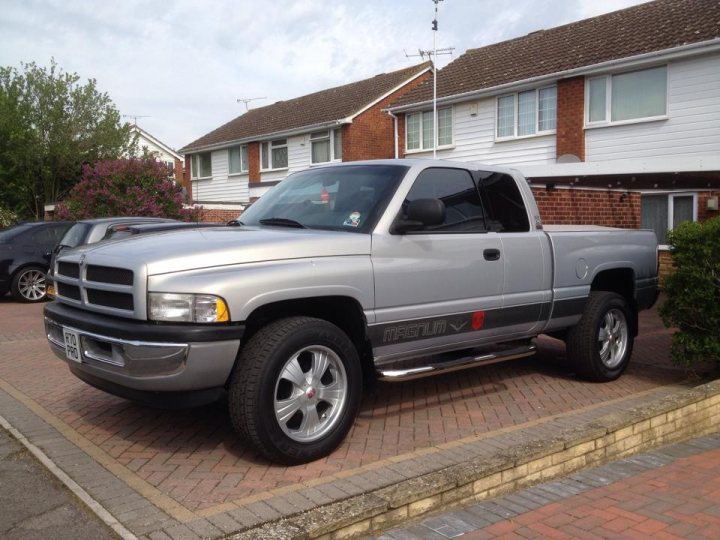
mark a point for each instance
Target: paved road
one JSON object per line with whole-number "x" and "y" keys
{"x": 669, "y": 493}
{"x": 34, "y": 504}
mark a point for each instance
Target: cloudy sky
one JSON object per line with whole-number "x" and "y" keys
{"x": 184, "y": 63}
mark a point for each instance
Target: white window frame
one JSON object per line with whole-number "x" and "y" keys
{"x": 516, "y": 116}
{"x": 607, "y": 121}
{"x": 195, "y": 166}
{"x": 330, "y": 136}
{"x": 419, "y": 114}
{"x": 244, "y": 168}
{"x": 671, "y": 207}
{"x": 269, "y": 146}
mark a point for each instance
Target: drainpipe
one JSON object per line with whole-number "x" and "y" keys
{"x": 395, "y": 125}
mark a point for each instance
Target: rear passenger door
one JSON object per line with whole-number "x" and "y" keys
{"x": 433, "y": 285}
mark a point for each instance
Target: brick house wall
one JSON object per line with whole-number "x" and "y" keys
{"x": 254, "y": 162}
{"x": 209, "y": 215}
{"x": 372, "y": 133}
{"x": 571, "y": 117}
{"x": 563, "y": 206}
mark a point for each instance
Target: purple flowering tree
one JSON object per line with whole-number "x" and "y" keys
{"x": 126, "y": 187}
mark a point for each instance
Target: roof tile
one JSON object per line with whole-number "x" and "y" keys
{"x": 654, "y": 26}
{"x": 309, "y": 110}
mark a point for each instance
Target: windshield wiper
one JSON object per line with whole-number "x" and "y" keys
{"x": 283, "y": 222}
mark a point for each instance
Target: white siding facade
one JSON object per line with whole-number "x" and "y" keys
{"x": 474, "y": 140}
{"x": 692, "y": 128}
{"x": 222, "y": 187}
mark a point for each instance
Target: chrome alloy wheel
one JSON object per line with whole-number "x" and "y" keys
{"x": 310, "y": 393}
{"x": 31, "y": 284}
{"x": 613, "y": 338}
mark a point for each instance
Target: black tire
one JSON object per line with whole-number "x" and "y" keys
{"x": 596, "y": 353}
{"x": 29, "y": 284}
{"x": 266, "y": 384}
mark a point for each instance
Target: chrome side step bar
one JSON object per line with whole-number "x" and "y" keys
{"x": 407, "y": 374}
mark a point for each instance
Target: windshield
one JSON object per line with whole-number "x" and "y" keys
{"x": 75, "y": 235}
{"x": 345, "y": 198}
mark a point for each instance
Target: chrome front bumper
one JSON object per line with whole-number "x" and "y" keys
{"x": 146, "y": 365}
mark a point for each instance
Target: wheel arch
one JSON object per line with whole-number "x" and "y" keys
{"x": 343, "y": 311}
{"x": 620, "y": 281}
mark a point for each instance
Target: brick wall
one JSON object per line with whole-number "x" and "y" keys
{"x": 254, "y": 162}
{"x": 577, "y": 206}
{"x": 703, "y": 212}
{"x": 372, "y": 133}
{"x": 208, "y": 215}
{"x": 570, "y": 117}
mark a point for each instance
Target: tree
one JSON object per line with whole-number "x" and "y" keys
{"x": 126, "y": 187}
{"x": 693, "y": 292}
{"x": 50, "y": 125}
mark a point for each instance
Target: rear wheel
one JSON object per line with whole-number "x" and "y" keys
{"x": 296, "y": 389}
{"x": 29, "y": 284}
{"x": 601, "y": 344}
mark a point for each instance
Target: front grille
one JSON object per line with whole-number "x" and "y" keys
{"x": 69, "y": 269}
{"x": 110, "y": 299}
{"x": 68, "y": 291}
{"x": 107, "y": 274}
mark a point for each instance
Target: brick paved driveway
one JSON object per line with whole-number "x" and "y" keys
{"x": 191, "y": 459}
{"x": 194, "y": 457}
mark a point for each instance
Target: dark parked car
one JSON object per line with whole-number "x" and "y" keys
{"x": 25, "y": 251}
{"x": 89, "y": 231}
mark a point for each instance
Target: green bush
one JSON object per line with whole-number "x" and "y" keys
{"x": 7, "y": 217}
{"x": 693, "y": 290}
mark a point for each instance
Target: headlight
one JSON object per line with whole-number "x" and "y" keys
{"x": 199, "y": 308}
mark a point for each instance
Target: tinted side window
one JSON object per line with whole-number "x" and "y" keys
{"x": 504, "y": 204}
{"x": 454, "y": 187}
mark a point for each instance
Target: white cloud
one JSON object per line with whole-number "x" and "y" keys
{"x": 185, "y": 63}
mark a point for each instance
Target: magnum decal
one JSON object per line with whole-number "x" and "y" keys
{"x": 414, "y": 331}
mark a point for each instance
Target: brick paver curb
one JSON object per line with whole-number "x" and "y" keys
{"x": 671, "y": 493}
{"x": 493, "y": 466}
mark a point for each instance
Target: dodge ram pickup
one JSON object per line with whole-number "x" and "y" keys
{"x": 343, "y": 274}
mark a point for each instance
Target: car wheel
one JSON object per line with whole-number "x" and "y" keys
{"x": 296, "y": 389}
{"x": 601, "y": 344}
{"x": 29, "y": 285}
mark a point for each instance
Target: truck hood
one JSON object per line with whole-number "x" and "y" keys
{"x": 176, "y": 251}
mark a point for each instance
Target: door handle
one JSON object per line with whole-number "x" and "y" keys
{"x": 491, "y": 254}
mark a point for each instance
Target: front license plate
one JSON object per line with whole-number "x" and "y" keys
{"x": 72, "y": 345}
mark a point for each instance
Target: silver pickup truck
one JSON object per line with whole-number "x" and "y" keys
{"x": 340, "y": 275}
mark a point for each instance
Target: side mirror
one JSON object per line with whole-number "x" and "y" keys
{"x": 420, "y": 213}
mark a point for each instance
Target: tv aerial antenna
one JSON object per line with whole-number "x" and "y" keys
{"x": 248, "y": 100}
{"x": 136, "y": 116}
{"x": 432, "y": 55}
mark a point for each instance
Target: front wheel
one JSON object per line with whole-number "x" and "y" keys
{"x": 296, "y": 389}
{"x": 601, "y": 344}
{"x": 29, "y": 285}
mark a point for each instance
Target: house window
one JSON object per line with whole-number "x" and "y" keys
{"x": 274, "y": 154}
{"x": 201, "y": 165}
{"x": 627, "y": 96}
{"x": 527, "y": 113}
{"x": 419, "y": 129}
{"x": 665, "y": 212}
{"x": 238, "y": 159}
{"x": 326, "y": 146}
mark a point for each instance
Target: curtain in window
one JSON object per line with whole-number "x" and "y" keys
{"x": 654, "y": 215}
{"x": 682, "y": 210}
{"x": 337, "y": 144}
{"x": 265, "y": 156}
{"x": 640, "y": 94}
{"x": 234, "y": 158}
{"x": 547, "y": 108}
{"x": 444, "y": 127}
{"x": 506, "y": 116}
{"x": 597, "y": 89}
{"x": 413, "y": 131}
{"x": 526, "y": 113}
{"x": 205, "y": 165}
{"x": 279, "y": 158}
{"x": 244, "y": 158}
{"x": 427, "y": 127}
{"x": 321, "y": 151}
